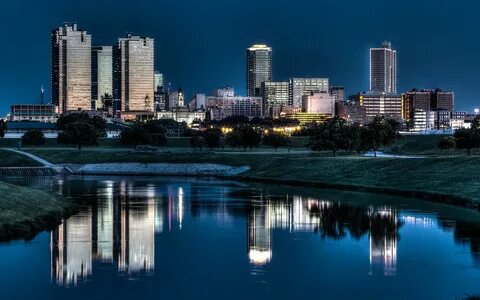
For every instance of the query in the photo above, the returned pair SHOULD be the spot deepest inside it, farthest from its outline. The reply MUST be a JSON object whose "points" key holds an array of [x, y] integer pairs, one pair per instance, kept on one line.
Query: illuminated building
{"points": [[135, 70], [33, 112], [351, 111], [259, 68], [275, 94], [224, 92], [176, 99], [423, 120], [383, 69], [382, 104], [182, 114], [71, 248], [299, 87], [337, 92], [102, 75], [318, 103], [71, 68], [222, 107]]}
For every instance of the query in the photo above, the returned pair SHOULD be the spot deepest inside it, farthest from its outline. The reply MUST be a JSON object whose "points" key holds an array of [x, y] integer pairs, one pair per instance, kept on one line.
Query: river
{"points": [[184, 238]]}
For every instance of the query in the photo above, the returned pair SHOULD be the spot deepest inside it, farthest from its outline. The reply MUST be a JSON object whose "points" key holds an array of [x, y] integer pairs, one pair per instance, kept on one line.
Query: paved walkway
{"points": [[34, 157]]}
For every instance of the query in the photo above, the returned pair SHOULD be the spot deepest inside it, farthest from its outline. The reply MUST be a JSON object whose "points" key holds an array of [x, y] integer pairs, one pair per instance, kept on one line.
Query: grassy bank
{"points": [[24, 211], [456, 175], [12, 159]]}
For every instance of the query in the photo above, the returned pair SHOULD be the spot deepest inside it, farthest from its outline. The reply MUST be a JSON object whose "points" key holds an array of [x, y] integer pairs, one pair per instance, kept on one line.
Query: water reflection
{"points": [[123, 218]]}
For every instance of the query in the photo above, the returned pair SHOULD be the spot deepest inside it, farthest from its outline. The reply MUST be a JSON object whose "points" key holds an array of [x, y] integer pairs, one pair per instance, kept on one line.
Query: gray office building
{"points": [[259, 68], [71, 59], [383, 69], [275, 93], [299, 87]]}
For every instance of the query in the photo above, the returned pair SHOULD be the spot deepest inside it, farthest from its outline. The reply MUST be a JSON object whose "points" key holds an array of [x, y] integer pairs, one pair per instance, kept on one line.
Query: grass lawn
{"points": [[12, 159], [454, 175], [25, 211]]}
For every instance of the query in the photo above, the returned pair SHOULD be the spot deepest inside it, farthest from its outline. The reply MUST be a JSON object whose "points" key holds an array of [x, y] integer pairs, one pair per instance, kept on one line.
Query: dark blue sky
{"points": [[200, 44]]}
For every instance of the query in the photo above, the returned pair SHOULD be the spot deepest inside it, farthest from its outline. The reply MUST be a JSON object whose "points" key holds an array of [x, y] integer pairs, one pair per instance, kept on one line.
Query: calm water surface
{"points": [[181, 238]]}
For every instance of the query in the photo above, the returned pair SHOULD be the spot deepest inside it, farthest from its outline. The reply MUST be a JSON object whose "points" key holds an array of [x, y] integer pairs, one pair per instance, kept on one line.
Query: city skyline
{"points": [[183, 56]]}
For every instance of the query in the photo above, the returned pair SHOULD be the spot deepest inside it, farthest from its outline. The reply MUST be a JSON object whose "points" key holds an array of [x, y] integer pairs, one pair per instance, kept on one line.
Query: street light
{"points": [[476, 110]]}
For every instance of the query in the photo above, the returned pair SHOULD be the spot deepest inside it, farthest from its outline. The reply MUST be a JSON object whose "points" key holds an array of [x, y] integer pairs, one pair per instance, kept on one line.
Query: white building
{"points": [[319, 103], [423, 120], [222, 107], [383, 69], [182, 115]]}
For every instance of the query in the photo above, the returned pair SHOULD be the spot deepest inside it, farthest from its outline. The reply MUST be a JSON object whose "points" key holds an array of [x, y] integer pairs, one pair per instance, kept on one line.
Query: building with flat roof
{"points": [[275, 94], [71, 62], [102, 75], [382, 104], [33, 112], [299, 87], [134, 67], [319, 103], [221, 107], [337, 92]]}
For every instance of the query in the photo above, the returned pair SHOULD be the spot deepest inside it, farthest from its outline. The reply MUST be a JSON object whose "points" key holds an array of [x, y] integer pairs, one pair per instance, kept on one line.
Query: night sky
{"points": [[200, 44]]}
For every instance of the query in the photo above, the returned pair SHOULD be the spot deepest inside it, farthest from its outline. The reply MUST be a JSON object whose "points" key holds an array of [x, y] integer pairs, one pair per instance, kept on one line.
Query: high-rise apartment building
{"points": [[134, 66], [102, 75], [275, 94], [299, 87], [259, 68], [383, 69], [71, 68]]}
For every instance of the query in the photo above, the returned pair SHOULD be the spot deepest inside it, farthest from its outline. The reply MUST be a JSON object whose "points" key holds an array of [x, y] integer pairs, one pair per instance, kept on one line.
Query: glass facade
{"points": [[259, 68], [383, 69], [300, 87], [275, 94], [137, 73], [71, 68], [102, 75]]}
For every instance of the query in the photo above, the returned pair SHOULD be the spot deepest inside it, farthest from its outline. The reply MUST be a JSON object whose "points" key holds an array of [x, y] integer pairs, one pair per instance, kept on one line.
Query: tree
{"points": [[249, 137], [97, 123], [80, 134], [3, 128], [212, 137], [330, 136], [150, 133], [446, 143], [197, 141], [33, 138], [382, 132], [467, 139], [276, 140], [233, 139]]}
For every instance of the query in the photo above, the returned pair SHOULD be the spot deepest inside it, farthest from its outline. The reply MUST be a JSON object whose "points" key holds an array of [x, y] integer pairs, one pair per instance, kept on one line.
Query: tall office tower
{"points": [[259, 68], [159, 94], [383, 69], [338, 93], [102, 75], [275, 93], [71, 68], [299, 87], [135, 63]]}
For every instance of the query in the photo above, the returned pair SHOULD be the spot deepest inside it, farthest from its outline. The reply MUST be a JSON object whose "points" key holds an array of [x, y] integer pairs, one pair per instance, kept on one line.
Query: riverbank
{"points": [[25, 211], [451, 179]]}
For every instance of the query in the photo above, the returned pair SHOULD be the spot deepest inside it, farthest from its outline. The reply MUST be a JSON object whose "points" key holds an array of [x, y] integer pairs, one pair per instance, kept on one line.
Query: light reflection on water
{"points": [[121, 219]]}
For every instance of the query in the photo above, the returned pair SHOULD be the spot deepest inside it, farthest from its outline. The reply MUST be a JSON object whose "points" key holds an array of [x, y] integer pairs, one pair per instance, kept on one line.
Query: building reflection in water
{"points": [[304, 214], [119, 228]]}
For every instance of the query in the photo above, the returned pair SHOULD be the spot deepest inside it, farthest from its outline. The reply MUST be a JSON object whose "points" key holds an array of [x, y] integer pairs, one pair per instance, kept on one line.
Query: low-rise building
{"points": [[351, 111], [33, 112], [223, 107], [318, 103], [182, 114], [423, 120], [382, 104]]}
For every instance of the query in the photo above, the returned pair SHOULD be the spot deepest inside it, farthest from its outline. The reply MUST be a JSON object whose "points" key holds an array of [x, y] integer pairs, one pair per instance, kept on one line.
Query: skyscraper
{"points": [[102, 75], [383, 69], [135, 68], [71, 68], [259, 68]]}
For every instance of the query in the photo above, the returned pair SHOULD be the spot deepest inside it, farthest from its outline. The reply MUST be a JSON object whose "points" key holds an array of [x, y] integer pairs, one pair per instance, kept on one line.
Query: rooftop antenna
{"points": [[42, 94]]}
